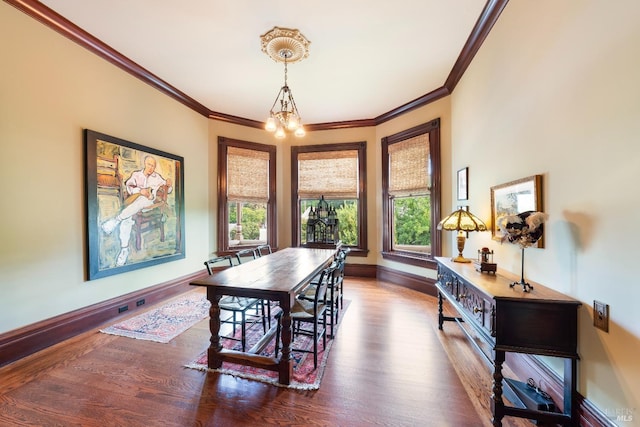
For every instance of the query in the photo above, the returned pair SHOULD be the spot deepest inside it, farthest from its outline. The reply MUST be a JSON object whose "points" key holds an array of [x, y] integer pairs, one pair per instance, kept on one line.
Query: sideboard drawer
{"points": [[448, 282], [477, 306]]}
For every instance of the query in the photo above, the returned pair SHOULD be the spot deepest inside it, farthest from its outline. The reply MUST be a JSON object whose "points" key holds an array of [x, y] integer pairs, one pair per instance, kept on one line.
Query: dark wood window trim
{"points": [[433, 129], [223, 211], [362, 248]]}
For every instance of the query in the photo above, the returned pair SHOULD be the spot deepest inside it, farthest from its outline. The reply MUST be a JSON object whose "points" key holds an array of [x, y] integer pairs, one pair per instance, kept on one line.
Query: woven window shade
{"points": [[409, 167], [247, 175], [332, 174]]}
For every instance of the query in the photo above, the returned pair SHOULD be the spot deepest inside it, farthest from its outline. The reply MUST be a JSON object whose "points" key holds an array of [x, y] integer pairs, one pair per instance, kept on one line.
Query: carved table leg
{"points": [[440, 316], [497, 405], [213, 354], [285, 370]]}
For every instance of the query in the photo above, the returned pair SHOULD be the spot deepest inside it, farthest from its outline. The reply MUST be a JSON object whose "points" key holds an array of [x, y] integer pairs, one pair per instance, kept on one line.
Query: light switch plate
{"points": [[601, 315]]}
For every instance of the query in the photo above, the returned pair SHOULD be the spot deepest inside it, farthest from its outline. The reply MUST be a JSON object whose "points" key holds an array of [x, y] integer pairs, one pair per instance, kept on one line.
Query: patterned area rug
{"points": [[305, 377], [166, 322]]}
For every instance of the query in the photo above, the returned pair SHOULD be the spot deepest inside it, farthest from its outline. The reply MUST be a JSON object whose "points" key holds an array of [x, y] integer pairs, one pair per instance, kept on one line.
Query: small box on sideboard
{"points": [[485, 263], [485, 267]]}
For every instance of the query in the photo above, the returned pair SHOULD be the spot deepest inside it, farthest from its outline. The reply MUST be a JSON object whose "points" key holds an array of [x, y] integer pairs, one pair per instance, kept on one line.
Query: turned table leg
{"points": [[440, 315], [497, 404], [285, 369], [214, 361]]}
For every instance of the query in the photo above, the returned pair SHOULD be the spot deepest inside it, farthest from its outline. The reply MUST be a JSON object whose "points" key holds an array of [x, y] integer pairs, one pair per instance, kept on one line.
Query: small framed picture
{"points": [[463, 184]]}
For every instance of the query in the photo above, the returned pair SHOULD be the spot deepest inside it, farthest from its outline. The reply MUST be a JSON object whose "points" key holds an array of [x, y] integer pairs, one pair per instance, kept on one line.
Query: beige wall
{"points": [[50, 90], [555, 91]]}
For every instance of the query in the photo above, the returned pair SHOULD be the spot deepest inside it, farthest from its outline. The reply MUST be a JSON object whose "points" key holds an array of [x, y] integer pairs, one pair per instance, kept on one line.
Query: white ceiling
{"points": [[367, 57]]}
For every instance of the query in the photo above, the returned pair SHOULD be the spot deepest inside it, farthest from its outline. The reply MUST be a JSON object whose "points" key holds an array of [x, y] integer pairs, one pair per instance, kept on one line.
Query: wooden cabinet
{"points": [[506, 319]]}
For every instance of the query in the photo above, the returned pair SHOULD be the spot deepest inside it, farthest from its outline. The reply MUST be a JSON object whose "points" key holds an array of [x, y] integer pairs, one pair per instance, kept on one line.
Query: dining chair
{"points": [[263, 250], [341, 259], [313, 313], [246, 255], [218, 263], [245, 312], [335, 289]]}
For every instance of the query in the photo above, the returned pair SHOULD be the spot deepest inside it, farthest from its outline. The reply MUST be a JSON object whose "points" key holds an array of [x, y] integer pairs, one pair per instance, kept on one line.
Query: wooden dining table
{"points": [[275, 277]]}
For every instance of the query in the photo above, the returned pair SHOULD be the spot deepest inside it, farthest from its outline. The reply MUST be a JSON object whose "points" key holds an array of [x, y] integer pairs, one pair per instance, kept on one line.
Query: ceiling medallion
{"points": [[285, 44]]}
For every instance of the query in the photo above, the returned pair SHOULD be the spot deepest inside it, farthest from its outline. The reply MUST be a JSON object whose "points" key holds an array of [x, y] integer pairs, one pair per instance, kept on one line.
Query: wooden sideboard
{"points": [[506, 319]]}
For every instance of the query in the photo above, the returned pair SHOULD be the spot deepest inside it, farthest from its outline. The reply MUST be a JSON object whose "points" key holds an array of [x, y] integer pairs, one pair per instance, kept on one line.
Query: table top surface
{"points": [[497, 285], [283, 271]]}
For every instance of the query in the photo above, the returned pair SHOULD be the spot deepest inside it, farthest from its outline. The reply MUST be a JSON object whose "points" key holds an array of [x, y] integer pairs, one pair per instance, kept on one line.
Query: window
{"points": [[411, 194], [336, 172], [246, 194]]}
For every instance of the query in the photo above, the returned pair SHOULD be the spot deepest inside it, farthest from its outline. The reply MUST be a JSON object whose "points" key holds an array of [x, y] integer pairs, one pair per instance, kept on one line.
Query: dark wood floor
{"points": [[389, 366]]}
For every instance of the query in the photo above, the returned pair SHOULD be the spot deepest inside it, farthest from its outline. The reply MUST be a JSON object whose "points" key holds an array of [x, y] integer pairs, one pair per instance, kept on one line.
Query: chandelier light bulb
{"points": [[270, 126], [299, 132], [292, 123], [280, 132]]}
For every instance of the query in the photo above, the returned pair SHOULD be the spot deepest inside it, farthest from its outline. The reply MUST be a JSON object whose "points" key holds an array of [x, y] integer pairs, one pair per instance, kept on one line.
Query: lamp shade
{"points": [[462, 220]]}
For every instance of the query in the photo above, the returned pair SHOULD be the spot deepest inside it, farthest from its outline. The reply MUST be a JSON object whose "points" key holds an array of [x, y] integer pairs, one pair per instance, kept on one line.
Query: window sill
{"points": [[412, 259], [359, 252]]}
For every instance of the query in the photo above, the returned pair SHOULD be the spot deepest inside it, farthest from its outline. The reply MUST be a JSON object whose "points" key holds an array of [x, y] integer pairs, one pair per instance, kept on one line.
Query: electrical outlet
{"points": [[123, 309], [140, 302], [601, 315]]}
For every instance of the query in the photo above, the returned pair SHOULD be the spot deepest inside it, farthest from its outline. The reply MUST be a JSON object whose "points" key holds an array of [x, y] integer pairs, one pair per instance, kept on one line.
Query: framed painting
{"points": [[134, 205], [463, 184], [513, 198]]}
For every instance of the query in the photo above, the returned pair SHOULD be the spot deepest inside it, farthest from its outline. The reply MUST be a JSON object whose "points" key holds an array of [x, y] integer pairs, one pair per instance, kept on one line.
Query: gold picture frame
{"points": [[515, 197]]}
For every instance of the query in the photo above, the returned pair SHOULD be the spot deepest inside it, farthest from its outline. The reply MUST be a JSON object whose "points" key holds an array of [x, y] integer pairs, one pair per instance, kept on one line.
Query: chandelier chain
{"points": [[285, 71]]}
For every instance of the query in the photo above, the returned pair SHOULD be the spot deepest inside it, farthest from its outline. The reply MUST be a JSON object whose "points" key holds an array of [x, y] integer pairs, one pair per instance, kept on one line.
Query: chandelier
{"points": [[285, 45]]}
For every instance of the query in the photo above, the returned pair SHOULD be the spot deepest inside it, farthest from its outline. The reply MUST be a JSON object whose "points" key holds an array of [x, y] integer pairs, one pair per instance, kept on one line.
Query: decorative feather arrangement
{"points": [[524, 229]]}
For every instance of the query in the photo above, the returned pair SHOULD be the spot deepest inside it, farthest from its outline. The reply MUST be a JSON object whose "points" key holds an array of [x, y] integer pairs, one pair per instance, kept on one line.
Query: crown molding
{"points": [[68, 29], [484, 24]]}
